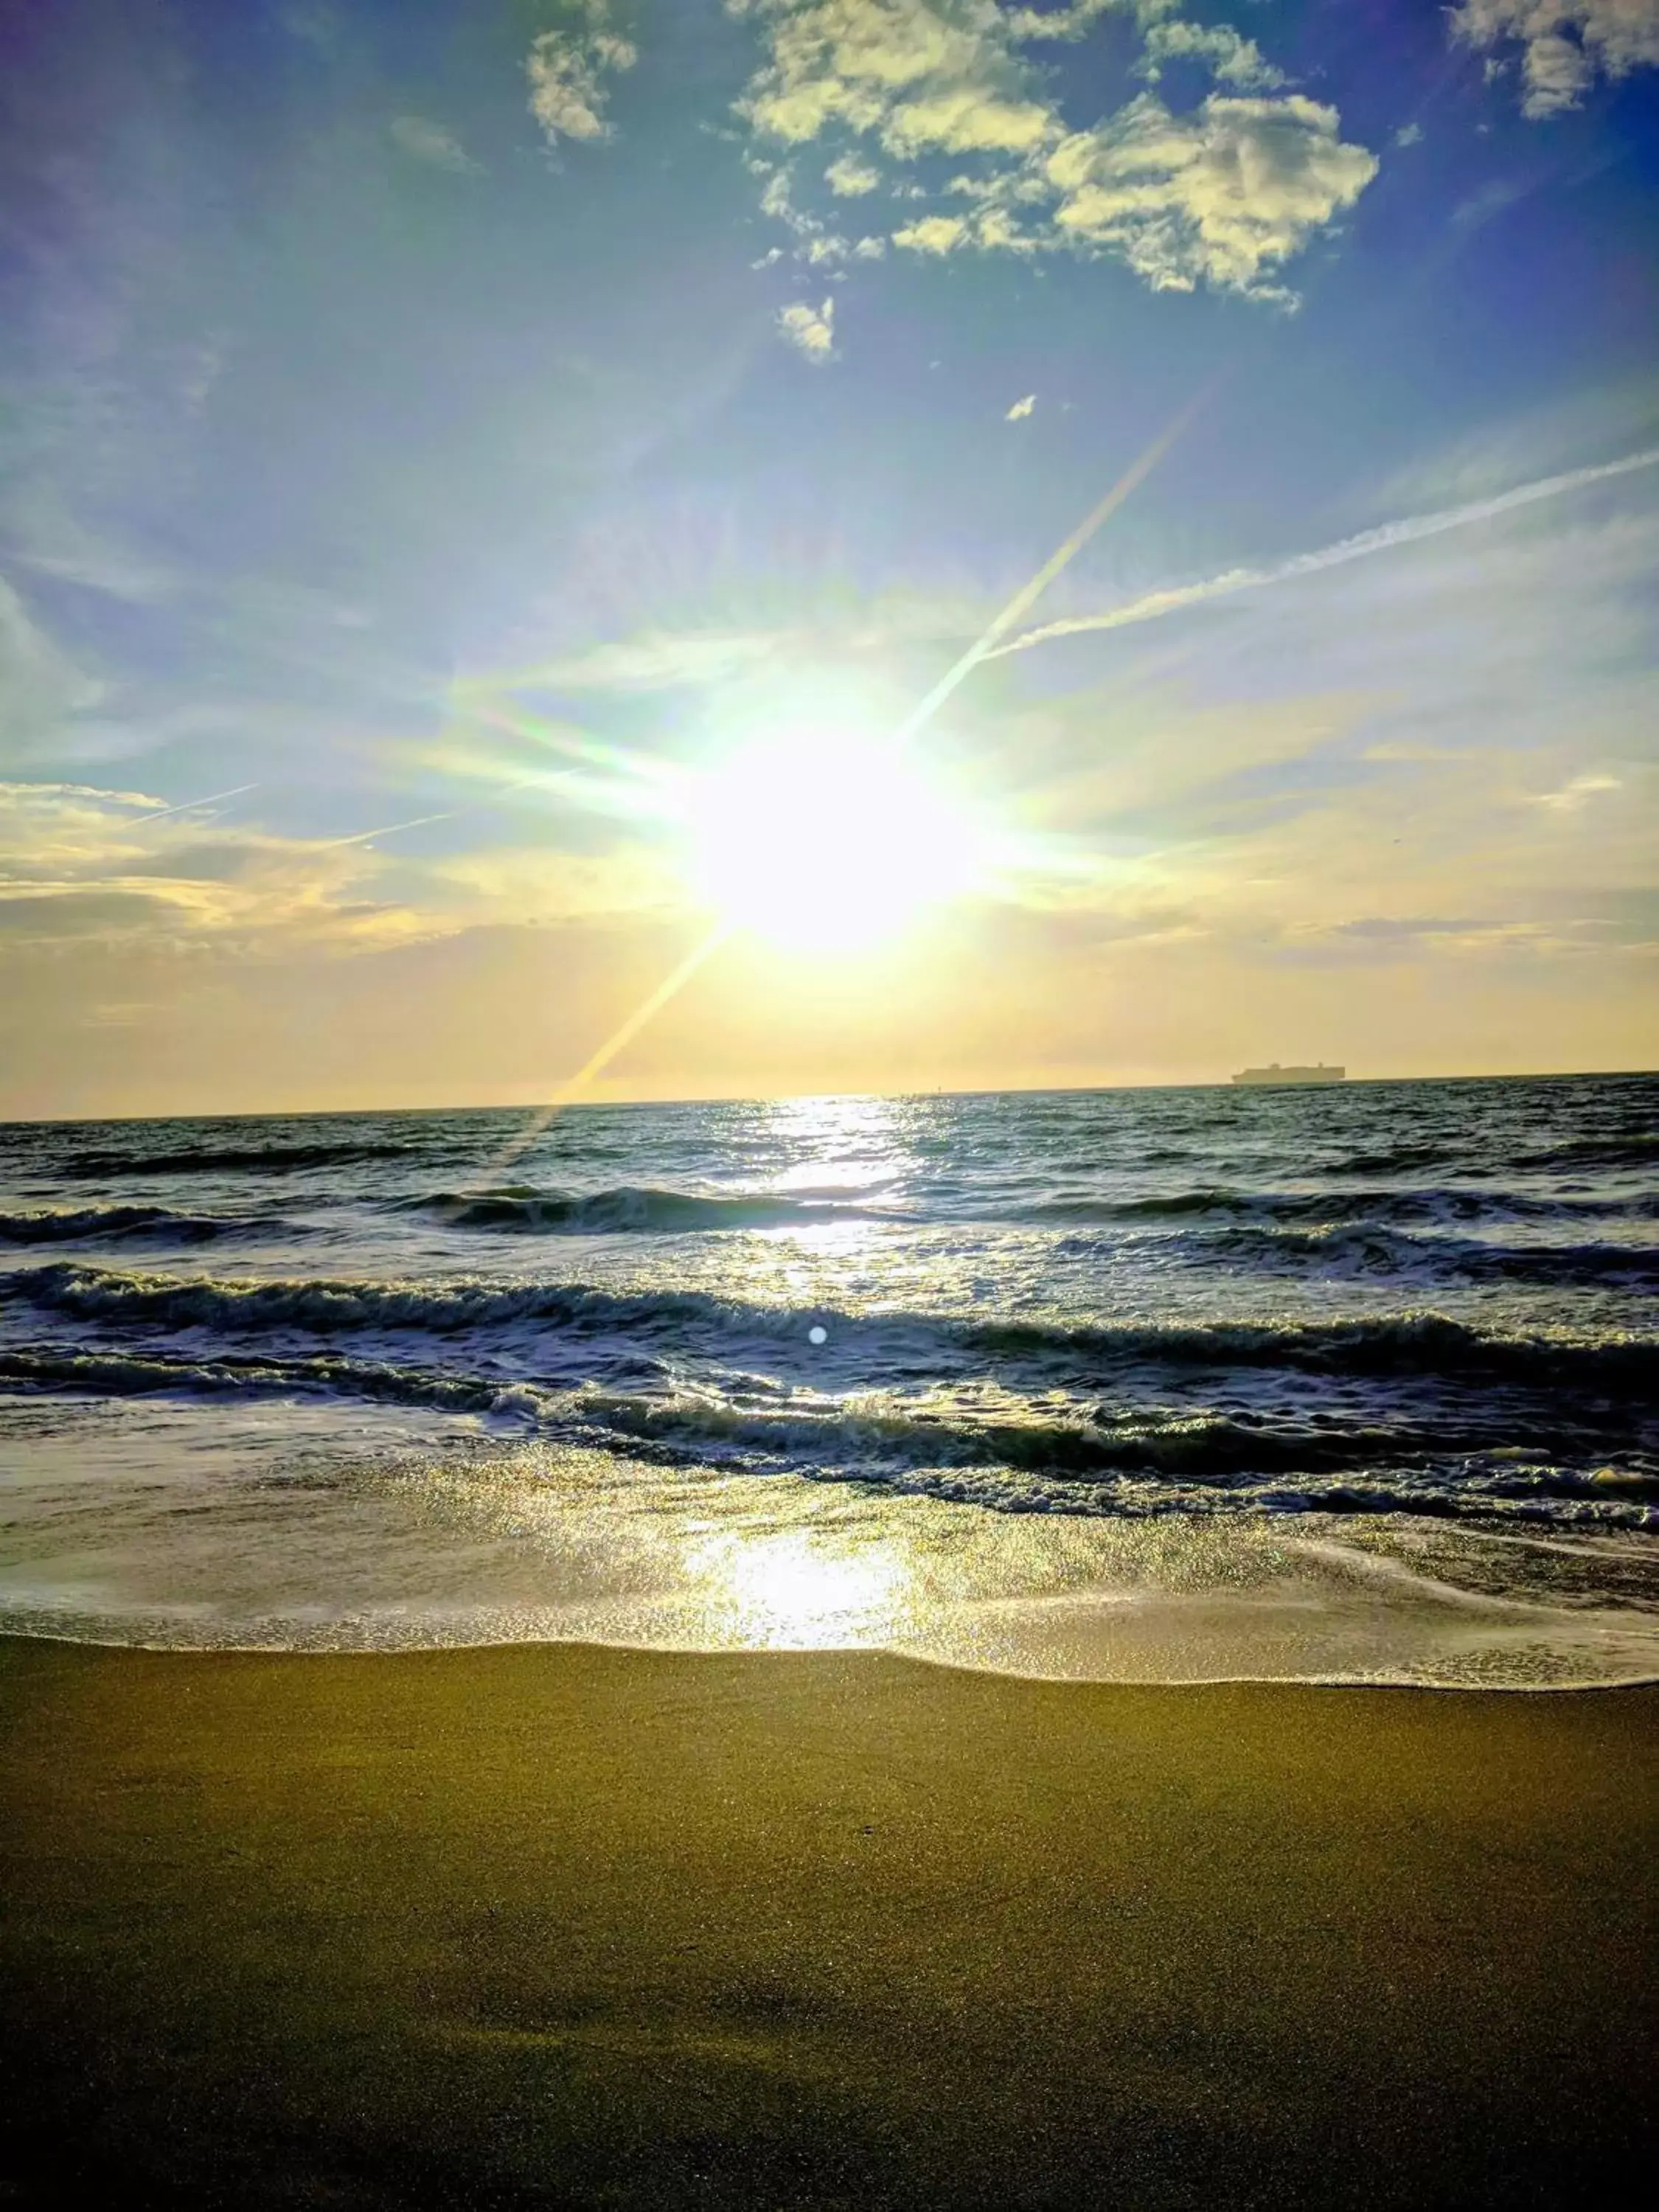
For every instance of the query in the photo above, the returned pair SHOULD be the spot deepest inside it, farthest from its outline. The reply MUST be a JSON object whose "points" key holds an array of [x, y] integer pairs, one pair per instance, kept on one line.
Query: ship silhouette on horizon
{"points": [[1275, 1073]]}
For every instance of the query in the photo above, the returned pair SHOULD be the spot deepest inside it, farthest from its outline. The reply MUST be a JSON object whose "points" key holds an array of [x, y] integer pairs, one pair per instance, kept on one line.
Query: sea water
{"points": [[1353, 1383]]}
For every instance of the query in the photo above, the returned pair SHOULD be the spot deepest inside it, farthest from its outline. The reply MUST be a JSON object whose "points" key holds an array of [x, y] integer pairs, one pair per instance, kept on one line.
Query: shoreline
{"points": [[897, 1655], [570, 1925]]}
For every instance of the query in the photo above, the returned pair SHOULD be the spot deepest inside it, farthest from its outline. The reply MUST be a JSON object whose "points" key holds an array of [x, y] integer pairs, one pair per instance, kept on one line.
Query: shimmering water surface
{"points": [[1356, 1383]]}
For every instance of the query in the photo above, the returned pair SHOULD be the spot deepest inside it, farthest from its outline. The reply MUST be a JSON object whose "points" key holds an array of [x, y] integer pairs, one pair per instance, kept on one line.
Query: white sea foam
{"points": [[167, 1526]]}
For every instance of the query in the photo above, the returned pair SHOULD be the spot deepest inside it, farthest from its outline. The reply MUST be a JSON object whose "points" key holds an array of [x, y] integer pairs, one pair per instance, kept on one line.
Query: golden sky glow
{"points": [[1105, 548]]}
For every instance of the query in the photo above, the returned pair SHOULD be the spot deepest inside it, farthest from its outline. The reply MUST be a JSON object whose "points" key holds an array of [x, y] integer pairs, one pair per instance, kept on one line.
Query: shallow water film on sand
{"points": [[1350, 1384]]}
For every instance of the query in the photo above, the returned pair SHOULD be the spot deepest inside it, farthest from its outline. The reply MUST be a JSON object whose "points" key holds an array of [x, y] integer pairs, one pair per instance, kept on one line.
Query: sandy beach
{"points": [[574, 1926]]}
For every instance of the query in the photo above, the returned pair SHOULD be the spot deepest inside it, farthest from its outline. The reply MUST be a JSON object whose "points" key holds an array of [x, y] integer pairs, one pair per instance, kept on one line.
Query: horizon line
{"points": [[780, 1097]]}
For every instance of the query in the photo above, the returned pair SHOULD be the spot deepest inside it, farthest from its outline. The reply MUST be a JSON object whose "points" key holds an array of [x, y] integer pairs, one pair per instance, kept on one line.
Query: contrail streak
{"points": [[670, 986], [1381, 540], [985, 646], [420, 821], [187, 806], [390, 829]]}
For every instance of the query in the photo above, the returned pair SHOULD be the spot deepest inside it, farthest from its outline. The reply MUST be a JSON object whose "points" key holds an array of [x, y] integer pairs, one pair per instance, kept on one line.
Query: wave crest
{"points": [[112, 1224], [1109, 1462], [1355, 1249], [625, 1208], [1412, 1343], [1446, 1206]]}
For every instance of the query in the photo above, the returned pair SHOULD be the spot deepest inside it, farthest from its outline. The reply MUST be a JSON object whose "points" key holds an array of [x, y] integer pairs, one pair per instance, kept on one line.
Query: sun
{"points": [[825, 838]]}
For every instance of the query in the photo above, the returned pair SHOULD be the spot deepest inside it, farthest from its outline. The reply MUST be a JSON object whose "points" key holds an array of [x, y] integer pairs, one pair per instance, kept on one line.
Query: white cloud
{"points": [[810, 329], [1068, 23], [860, 63], [1564, 44], [933, 233], [1021, 408], [1578, 792], [966, 120], [1409, 134], [423, 140], [1230, 58], [1222, 194], [774, 199], [567, 69], [851, 177]]}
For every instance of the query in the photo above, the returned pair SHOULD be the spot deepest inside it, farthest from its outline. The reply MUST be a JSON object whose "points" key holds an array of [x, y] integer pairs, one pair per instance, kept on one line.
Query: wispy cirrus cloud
{"points": [[42, 689], [423, 140], [1578, 792], [80, 863], [1544, 441]]}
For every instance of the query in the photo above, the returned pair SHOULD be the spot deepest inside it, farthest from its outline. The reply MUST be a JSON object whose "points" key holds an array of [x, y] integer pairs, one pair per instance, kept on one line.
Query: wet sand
{"points": [[567, 1926]]}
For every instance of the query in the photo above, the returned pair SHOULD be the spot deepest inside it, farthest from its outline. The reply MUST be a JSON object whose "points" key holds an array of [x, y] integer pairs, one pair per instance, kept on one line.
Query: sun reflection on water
{"points": [[796, 1591], [839, 1144]]}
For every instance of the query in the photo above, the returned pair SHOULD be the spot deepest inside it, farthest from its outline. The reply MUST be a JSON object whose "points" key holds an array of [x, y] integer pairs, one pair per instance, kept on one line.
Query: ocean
{"points": [[1347, 1383]]}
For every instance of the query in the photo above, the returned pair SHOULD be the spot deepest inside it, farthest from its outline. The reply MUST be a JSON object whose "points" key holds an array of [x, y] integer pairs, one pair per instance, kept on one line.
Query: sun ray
{"points": [[882, 860], [589, 1072]]}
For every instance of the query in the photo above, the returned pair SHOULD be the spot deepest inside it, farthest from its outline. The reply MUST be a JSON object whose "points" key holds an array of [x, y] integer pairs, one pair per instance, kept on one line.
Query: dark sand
{"points": [[563, 1926]]}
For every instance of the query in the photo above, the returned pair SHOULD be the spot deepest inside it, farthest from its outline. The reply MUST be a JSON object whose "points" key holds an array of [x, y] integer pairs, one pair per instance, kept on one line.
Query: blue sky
{"points": [[463, 417]]}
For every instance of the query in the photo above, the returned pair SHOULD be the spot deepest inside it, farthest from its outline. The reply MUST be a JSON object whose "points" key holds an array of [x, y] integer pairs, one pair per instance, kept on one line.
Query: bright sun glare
{"points": [[824, 839]]}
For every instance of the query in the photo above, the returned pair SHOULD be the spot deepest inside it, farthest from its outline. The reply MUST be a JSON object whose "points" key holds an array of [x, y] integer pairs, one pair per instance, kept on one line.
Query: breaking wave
{"points": [[125, 1224], [1638, 1148], [1105, 1463], [1330, 1209], [1399, 1159], [1413, 1343], [1352, 1248], [599, 1213]]}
